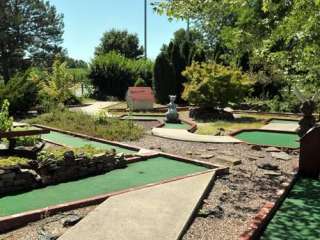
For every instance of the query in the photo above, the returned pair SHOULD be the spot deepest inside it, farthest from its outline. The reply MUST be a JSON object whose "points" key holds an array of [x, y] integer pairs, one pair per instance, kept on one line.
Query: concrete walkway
{"points": [[161, 212], [95, 107], [184, 135], [288, 127]]}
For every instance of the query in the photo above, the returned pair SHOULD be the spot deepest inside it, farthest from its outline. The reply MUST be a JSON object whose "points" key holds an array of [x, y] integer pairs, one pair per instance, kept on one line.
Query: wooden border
{"points": [[12, 134], [15, 221], [88, 137]]}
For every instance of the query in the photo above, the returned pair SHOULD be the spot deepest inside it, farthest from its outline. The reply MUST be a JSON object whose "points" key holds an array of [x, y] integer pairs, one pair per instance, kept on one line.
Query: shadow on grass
{"points": [[299, 216]]}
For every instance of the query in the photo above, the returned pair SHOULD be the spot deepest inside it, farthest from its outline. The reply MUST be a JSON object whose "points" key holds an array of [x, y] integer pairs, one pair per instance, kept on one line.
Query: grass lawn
{"points": [[104, 127]]}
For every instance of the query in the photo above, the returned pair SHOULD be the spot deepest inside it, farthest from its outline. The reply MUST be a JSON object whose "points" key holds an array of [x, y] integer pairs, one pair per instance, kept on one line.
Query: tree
{"points": [[164, 79], [180, 52], [122, 42], [258, 35], [30, 33], [214, 86]]}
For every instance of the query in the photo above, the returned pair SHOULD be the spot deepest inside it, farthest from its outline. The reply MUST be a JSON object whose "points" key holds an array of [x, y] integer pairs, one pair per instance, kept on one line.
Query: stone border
{"points": [[261, 220], [19, 220], [232, 134]]}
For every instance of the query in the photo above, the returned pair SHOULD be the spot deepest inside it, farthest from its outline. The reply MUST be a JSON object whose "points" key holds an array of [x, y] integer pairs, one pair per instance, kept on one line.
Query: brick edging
{"points": [[260, 221]]}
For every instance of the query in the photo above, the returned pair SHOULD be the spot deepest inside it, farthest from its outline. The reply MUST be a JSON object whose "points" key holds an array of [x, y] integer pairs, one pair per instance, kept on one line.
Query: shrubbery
{"points": [[112, 74], [101, 126], [211, 85], [164, 79], [21, 91]]}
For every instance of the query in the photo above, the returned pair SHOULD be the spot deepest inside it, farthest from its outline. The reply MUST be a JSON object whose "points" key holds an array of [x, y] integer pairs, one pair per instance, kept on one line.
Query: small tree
{"points": [[211, 85], [6, 121], [55, 86], [164, 79], [124, 43]]}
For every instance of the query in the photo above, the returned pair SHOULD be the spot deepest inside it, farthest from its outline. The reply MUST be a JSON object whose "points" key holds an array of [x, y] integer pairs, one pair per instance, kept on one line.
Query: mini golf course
{"points": [[181, 125], [135, 174], [72, 141], [299, 215], [269, 138]]}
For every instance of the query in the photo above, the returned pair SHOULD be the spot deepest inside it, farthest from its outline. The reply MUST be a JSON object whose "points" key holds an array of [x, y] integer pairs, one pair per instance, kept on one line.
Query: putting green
{"points": [[284, 121], [299, 215], [71, 141], [176, 126], [269, 138], [136, 174]]}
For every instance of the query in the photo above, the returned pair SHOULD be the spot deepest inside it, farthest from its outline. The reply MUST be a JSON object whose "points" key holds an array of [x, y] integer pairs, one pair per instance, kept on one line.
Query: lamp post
{"points": [[145, 29]]}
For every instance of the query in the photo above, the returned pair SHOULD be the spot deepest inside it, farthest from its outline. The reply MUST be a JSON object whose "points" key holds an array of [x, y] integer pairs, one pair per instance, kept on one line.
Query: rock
{"points": [[71, 220], [281, 155], [252, 158], [256, 147], [100, 157], [207, 156], [271, 173], [228, 160], [33, 173], [189, 153], [272, 149], [217, 212], [268, 166], [228, 153], [197, 153], [2, 171], [211, 149], [47, 236], [69, 156]]}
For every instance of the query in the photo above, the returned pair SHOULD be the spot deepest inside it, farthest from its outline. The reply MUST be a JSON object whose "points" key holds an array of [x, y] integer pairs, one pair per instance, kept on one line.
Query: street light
{"points": [[145, 29]]}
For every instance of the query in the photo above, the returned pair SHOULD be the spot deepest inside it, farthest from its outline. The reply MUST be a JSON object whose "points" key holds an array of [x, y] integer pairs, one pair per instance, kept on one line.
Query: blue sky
{"points": [[86, 20]]}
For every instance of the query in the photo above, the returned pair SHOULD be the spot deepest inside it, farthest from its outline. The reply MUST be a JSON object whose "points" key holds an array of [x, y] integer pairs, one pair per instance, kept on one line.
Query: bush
{"points": [[6, 121], [211, 85], [112, 74], [164, 79], [21, 91], [140, 83]]}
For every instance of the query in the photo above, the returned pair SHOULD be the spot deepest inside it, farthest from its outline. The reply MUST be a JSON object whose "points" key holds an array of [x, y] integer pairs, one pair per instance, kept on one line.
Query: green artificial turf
{"points": [[136, 174], [276, 139], [299, 216], [71, 141], [176, 126], [284, 121]]}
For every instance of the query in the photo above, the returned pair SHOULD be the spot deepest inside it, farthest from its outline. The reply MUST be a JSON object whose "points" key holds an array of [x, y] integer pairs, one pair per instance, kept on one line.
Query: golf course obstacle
{"points": [[309, 162]]}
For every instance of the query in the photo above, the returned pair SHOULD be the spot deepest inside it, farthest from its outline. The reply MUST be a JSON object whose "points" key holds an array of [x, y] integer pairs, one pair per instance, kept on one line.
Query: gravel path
{"points": [[235, 198]]}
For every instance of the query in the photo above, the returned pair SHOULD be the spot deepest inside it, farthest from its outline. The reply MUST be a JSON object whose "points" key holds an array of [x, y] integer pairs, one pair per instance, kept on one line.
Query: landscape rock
{"points": [[69, 156], [71, 220], [256, 147], [272, 149], [47, 236], [207, 156], [281, 155], [268, 166]]}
